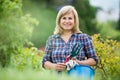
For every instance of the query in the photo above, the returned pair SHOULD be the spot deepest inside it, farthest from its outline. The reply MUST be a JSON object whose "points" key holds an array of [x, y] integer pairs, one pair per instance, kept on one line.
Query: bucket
{"points": [[83, 72]]}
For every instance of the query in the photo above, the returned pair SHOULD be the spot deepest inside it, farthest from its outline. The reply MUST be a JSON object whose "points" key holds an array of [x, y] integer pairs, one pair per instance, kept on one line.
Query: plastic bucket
{"points": [[83, 72]]}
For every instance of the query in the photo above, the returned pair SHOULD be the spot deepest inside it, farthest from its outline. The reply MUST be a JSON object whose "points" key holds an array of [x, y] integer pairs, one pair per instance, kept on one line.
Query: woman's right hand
{"points": [[59, 66]]}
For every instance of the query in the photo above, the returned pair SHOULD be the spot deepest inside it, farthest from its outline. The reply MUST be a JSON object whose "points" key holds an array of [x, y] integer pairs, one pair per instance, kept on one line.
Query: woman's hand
{"points": [[59, 66]]}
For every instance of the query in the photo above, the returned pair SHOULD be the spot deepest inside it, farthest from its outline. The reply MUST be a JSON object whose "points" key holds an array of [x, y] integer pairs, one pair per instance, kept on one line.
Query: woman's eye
{"points": [[70, 18], [64, 17]]}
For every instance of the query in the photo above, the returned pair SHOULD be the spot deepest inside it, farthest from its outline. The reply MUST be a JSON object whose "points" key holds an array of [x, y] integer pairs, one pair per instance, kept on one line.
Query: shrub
{"points": [[27, 58], [15, 28], [109, 57]]}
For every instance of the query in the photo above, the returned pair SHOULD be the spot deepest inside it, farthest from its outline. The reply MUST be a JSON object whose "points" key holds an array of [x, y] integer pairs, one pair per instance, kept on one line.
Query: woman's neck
{"points": [[67, 33]]}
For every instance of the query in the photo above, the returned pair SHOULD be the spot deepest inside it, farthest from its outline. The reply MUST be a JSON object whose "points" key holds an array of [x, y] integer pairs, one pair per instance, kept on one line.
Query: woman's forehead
{"points": [[68, 13]]}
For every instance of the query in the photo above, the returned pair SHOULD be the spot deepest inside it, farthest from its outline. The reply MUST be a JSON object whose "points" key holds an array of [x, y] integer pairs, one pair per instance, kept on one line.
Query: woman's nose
{"points": [[67, 20]]}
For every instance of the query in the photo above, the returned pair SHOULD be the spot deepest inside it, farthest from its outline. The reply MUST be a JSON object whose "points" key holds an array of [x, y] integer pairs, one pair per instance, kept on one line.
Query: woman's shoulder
{"points": [[53, 37], [83, 35]]}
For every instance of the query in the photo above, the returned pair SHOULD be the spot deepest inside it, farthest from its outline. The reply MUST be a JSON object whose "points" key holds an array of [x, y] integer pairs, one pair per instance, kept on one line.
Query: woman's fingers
{"points": [[60, 66]]}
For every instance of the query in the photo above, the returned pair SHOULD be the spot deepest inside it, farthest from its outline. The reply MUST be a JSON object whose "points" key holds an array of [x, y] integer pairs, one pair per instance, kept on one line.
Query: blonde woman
{"points": [[66, 35]]}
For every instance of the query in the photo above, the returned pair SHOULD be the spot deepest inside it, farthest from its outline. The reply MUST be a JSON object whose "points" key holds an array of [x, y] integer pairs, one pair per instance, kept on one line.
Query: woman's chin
{"points": [[67, 29]]}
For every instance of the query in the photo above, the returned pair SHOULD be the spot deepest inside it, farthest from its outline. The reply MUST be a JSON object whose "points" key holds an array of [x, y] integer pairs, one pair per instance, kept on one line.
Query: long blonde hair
{"points": [[64, 10]]}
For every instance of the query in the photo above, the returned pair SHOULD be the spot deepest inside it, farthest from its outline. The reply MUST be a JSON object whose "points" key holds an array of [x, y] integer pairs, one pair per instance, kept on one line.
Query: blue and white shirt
{"points": [[57, 50]]}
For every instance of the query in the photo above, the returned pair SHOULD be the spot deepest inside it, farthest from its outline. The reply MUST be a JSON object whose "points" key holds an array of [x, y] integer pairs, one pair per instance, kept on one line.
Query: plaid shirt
{"points": [[57, 50]]}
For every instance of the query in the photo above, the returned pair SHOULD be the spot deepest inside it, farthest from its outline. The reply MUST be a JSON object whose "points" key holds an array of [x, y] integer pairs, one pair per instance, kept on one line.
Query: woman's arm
{"points": [[89, 61], [92, 58]]}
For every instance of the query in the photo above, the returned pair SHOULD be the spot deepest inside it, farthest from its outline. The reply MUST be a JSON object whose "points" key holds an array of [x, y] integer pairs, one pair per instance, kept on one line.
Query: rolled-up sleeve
{"points": [[47, 51], [90, 51]]}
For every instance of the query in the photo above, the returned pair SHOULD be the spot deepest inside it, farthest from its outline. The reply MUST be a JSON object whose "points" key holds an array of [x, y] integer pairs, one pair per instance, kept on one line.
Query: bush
{"points": [[109, 57], [15, 29], [27, 58]]}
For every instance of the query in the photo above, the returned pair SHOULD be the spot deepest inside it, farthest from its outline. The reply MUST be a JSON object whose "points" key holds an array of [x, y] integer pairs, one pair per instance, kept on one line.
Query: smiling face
{"points": [[67, 21]]}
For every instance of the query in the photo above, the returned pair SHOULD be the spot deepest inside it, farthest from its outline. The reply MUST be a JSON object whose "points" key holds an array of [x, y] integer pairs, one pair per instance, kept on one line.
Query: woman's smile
{"points": [[67, 21]]}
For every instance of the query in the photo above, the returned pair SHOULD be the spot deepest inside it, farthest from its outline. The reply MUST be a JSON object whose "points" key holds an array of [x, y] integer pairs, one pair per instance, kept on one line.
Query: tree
{"points": [[15, 29], [86, 15]]}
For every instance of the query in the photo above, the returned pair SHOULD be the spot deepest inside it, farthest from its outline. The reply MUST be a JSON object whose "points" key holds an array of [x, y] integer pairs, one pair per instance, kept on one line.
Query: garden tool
{"points": [[75, 51]]}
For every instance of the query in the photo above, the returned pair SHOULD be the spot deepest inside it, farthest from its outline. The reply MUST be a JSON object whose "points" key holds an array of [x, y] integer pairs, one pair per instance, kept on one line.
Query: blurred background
{"points": [[95, 17]]}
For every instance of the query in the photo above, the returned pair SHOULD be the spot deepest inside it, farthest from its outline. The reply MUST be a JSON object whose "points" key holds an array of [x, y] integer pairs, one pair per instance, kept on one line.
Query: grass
{"points": [[30, 74]]}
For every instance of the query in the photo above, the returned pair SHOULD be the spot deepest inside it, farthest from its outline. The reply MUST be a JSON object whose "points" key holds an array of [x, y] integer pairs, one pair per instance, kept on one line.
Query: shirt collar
{"points": [[74, 34], [58, 35]]}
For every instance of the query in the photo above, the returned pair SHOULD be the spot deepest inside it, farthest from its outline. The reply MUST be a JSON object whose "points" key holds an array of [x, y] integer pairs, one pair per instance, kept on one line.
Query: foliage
{"points": [[109, 57], [109, 28], [10, 8], [86, 16], [46, 18], [118, 25], [15, 28], [27, 58]]}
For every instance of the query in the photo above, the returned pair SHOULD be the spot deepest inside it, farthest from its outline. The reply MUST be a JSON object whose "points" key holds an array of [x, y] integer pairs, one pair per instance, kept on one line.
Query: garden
{"points": [[24, 29]]}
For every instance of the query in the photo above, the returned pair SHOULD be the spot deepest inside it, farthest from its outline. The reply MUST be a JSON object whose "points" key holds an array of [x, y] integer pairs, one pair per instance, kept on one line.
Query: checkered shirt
{"points": [[57, 50]]}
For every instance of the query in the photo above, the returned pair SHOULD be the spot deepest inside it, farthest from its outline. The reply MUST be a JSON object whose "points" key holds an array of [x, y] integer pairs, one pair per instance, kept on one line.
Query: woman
{"points": [[66, 35]]}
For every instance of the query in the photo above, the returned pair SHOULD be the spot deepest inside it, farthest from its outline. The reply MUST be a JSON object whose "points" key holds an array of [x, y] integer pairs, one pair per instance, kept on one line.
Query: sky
{"points": [[110, 9]]}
